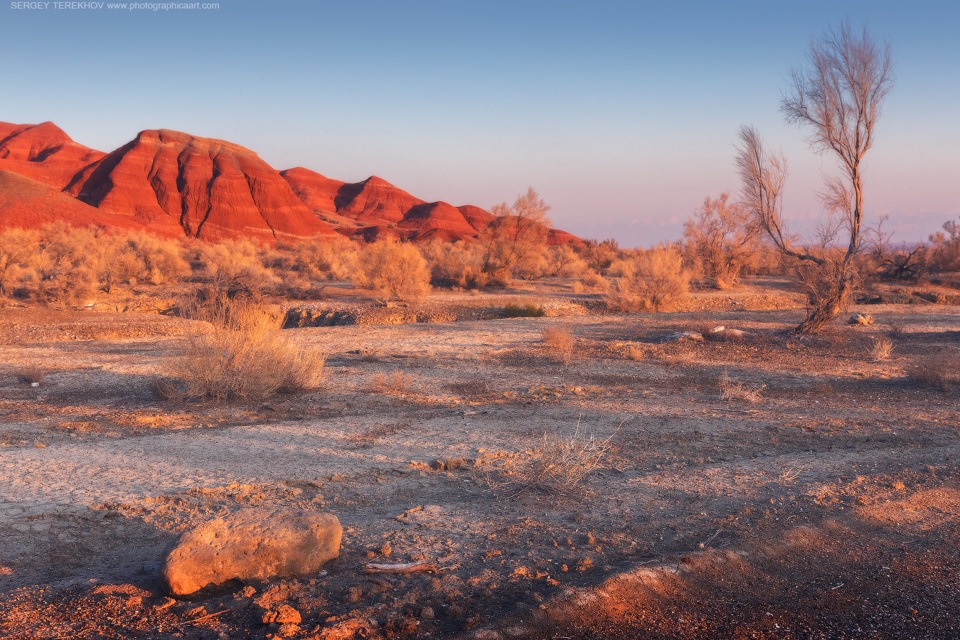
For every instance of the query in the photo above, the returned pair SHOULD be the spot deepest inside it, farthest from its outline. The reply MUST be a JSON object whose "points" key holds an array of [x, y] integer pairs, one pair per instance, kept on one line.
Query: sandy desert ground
{"points": [[828, 506]]}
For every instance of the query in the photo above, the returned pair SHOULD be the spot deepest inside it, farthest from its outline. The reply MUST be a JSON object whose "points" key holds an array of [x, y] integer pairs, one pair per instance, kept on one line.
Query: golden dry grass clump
{"points": [[559, 466], [731, 389], [881, 349], [241, 354], [395, 383]]}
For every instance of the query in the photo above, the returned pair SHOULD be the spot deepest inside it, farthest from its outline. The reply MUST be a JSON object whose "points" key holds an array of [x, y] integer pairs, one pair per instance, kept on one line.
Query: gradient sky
{"points": [[622, 115]]}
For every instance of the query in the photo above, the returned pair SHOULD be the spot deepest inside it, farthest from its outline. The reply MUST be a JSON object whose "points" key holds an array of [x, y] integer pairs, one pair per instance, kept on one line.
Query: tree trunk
{"points": [[830, 306]]}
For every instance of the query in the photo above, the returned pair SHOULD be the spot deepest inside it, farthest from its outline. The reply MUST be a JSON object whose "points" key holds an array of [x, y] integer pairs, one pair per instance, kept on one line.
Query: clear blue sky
{"points": [[623, 115]]}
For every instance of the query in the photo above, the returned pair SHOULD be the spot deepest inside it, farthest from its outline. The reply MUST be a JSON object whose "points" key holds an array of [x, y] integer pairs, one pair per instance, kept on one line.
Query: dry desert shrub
{"points": [[534, 263], [731, 389], [634, 352], [233, 267], [241, 354], [564, 261], [558, 466], [64, 270], [593, 281], [18, 247], [561, 342], [939, 371], [61, 265], [139, 257], [829, 287], [881, 349], [395, 383], [319, 259], [393, 270], [31, 374], [455, 264], [652, 280], [523, 310], [600, 256]]}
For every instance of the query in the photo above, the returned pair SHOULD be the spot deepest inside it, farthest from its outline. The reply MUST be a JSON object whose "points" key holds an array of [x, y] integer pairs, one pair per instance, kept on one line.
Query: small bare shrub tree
{"points": [[838, 95], [516, 240], [394, 270], [303, 268], [889, 262], [723, 236], [333, 258], [945, 247], [564, 261]]}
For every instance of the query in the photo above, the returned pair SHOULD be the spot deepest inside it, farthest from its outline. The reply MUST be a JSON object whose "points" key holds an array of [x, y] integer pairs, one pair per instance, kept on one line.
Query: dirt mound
{"points": [[43, 152], [210, 189]]}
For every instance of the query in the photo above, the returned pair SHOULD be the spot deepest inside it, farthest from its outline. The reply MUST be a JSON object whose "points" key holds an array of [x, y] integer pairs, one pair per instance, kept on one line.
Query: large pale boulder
{"points": [[251, 544]]}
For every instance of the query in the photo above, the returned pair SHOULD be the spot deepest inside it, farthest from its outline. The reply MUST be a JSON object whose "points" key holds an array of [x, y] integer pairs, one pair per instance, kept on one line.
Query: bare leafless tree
{"points": [[838, 95]]}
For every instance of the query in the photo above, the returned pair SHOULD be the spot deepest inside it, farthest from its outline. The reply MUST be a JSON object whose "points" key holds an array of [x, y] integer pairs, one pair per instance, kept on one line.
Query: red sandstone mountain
{"points": [[476, 217], [319, 193], [315, 190], [174, 184], [437, 219], [211, 189], [375, 201], [374, 208], [43, 152], [27, 203]]}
